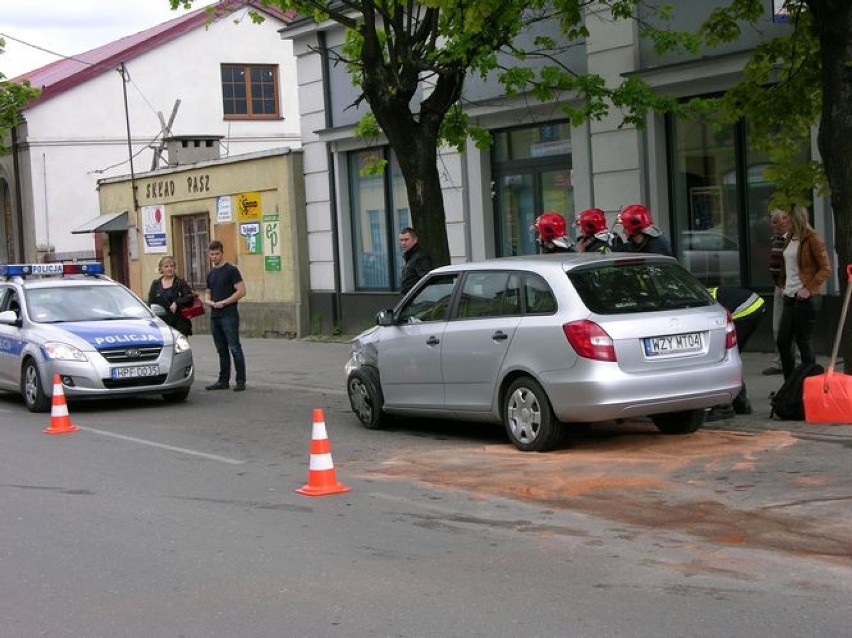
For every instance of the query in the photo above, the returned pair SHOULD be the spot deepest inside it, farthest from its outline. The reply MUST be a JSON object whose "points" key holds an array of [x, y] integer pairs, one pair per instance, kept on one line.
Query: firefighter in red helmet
{"points": [[594, 236], [552, 233], [643, 236]]}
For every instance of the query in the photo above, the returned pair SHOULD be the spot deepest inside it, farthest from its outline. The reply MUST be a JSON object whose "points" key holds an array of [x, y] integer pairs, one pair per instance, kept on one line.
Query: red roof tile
{"points": [[65, 74]]}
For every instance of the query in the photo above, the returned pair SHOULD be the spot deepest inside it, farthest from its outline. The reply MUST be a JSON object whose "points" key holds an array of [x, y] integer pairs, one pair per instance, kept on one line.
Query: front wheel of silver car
{"points": [[685, 422], [34, 396], [529, 420], [365, 397]]}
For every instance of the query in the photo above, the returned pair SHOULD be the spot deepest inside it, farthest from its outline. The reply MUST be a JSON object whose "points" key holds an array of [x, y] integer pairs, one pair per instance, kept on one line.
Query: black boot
{"points": [[741, 403]]}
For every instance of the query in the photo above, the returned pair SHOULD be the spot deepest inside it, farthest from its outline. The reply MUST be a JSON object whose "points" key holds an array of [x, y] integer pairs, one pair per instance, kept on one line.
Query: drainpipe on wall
{"points": [[46, 208], [336, 310], [19, 204]]}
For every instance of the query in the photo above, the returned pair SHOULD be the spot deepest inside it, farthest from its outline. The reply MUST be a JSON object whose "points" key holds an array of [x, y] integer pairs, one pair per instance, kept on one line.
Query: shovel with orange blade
{"points": [[828, 397]]}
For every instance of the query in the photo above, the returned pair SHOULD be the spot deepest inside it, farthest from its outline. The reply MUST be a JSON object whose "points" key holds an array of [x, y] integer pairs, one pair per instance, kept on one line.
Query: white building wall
{"points": [[80, 136], [616, 154], [317, 189]]}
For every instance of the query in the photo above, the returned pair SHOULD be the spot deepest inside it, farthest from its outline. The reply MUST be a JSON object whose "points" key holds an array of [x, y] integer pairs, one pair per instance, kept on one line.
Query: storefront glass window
{"points": [[532, 175], [379, 208], [720, 196]]}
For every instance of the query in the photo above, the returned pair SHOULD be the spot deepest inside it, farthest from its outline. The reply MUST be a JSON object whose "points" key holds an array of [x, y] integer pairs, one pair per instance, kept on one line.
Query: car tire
{"points": [[176, 397], [685, 422], [365, 397], [528, 417], [32, 390]]}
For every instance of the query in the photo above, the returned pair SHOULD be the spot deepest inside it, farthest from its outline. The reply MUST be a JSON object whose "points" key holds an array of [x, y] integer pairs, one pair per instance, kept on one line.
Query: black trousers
{"points": [[798, 322]]}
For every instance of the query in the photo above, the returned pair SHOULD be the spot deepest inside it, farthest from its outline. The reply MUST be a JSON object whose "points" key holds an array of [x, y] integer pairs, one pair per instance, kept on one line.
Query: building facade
{"points": [[705, 188], [110, 111], [253, 203]]}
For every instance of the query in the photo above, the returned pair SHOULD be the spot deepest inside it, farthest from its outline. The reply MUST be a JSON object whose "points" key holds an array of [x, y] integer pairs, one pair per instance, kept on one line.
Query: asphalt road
{"points": [[183, 520]]}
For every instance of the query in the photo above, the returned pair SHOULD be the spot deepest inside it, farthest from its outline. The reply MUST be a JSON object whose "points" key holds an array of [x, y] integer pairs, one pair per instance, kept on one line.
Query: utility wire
{"points": [[71, 57], [125, 73], [35, 46]]}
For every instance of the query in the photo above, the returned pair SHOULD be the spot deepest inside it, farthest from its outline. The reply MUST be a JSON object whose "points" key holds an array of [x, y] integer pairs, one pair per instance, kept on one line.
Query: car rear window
{"points": [[620, 288]]}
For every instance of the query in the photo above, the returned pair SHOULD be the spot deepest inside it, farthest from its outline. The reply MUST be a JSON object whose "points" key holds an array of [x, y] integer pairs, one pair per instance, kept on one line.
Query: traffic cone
{"points": [[322, 479], [60, 420]]}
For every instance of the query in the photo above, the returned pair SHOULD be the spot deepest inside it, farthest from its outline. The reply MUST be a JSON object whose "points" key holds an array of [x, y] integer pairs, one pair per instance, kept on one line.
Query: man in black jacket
{"points": [[417, 260]]}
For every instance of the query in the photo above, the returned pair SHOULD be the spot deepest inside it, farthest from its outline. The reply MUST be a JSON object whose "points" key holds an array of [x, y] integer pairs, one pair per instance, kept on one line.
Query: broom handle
{"points": [[836, 346]]}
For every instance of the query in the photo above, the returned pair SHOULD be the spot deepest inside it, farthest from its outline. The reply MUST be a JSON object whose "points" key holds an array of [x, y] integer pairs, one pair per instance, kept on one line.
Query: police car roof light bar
{"points": [[76, 268]]}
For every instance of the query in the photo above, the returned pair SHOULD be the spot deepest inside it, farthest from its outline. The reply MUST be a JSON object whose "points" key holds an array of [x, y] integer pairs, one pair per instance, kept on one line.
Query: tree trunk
{"points": [[423, 184], [833, 26]]}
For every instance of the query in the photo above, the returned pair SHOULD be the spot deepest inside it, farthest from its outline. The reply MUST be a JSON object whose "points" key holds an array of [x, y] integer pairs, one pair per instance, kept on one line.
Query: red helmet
{"points": [[591, 221], [634, 219], [550, 226]]}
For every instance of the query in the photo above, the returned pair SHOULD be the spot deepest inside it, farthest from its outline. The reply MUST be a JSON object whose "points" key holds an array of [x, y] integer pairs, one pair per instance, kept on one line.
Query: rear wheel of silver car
{"points": [[365, 397], [176, 397], [685, 422], [530, 423], [34, 396]]}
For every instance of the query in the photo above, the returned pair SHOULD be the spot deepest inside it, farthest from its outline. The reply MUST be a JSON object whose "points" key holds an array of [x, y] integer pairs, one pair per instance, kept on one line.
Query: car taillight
{"points": [[589, 340], [730, 333]]}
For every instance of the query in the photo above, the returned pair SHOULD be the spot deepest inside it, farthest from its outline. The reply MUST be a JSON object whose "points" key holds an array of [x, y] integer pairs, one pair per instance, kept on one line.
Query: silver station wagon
{"points": [[541, 342]]}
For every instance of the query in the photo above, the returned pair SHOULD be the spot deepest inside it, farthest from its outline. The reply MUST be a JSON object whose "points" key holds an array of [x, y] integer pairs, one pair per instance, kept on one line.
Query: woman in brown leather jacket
{"points": [[804, 270]]}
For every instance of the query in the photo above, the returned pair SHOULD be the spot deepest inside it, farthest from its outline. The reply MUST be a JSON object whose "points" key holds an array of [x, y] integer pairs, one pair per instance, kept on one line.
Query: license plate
{"points": [[673, 344], [134, 372]]}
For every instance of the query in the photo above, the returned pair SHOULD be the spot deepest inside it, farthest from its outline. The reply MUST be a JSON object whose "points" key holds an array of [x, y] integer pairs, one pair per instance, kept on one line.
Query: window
{"points": [[490, 294], [720, 194], [250, 92], [431, 302], [538, 297], [379, 209], [10, 301], [192, 235], [532, 174], [641, 287]]}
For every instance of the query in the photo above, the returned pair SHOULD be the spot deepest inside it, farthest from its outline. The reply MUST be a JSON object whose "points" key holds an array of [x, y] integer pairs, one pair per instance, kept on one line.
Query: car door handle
{"points": [[432, 341], [499, 336]]}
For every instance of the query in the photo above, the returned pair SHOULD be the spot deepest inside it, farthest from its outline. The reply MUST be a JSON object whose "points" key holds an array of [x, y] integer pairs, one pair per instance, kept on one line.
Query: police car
{"points": [[101, 339]]}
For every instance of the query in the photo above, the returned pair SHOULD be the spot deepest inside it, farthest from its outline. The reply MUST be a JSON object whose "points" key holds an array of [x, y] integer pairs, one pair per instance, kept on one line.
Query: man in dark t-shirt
{"points": [[225, 287]]}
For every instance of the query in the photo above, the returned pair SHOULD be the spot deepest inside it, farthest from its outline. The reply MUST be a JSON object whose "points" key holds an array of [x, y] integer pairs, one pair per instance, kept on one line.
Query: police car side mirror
{"points": [[158, 310], [10, 318]]}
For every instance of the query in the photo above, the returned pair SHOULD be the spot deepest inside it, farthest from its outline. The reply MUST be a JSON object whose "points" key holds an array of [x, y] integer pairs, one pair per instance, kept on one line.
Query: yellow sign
{"points": [[248, 207]]}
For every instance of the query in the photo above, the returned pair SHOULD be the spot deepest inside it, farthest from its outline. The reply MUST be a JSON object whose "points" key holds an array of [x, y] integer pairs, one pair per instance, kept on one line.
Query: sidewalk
{"points": [[317, 366], [296, 364]]}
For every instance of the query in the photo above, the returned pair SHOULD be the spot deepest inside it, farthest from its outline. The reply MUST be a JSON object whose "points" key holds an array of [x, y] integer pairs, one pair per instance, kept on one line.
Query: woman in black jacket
{"points": [[172, 293]]}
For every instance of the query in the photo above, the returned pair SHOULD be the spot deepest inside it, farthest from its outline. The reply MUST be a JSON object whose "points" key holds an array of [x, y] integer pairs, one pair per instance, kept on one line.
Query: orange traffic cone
{"points": [[60, 420], [322, 479]]}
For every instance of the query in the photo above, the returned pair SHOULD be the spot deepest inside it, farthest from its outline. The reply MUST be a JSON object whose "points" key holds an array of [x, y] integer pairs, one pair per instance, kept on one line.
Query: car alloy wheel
{"points": [[34, 396], [529, 420]]}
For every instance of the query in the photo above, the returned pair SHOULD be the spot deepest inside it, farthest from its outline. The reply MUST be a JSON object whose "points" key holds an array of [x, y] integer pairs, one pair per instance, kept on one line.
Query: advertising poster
{"points": [[154, 228], [223, 209], [271, 243], [248, 218]]}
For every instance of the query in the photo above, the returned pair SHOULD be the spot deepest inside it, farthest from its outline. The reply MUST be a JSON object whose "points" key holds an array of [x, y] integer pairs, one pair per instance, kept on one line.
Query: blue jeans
{"points": [[226, 338]]}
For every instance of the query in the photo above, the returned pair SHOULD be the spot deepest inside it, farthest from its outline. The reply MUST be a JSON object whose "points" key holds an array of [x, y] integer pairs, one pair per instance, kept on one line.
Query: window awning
{"points": [[106, 223]]}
